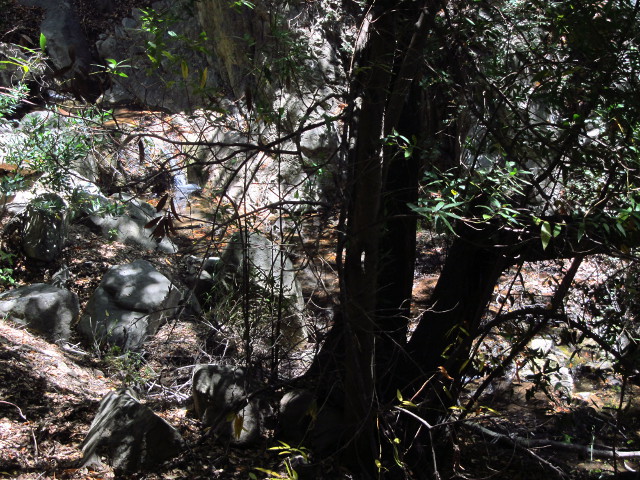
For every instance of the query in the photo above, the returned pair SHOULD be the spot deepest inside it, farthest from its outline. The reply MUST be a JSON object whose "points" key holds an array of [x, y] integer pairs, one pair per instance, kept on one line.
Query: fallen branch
{"points": [[531, 453], [521, 442]]}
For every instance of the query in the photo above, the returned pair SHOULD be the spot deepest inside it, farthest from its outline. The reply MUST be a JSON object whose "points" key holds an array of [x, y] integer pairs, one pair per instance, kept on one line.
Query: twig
{"points": [[14, 405], [33, 435], [436, 474]]}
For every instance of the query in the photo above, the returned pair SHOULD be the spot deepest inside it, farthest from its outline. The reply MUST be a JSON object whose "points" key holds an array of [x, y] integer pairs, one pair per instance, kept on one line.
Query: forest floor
{"points": [[49, 394]]}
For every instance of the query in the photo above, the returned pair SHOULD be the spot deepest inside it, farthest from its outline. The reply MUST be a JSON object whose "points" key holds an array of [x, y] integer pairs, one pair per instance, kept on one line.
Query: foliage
{"points": [[241, 3], [486, 194], [27, 60], [115, 68], [50, 144], [288, 452], [47, 142], [10, 98], [130, 368], [94, 205], [164, 44], [6, 270], [546, 121], [287, 62]]}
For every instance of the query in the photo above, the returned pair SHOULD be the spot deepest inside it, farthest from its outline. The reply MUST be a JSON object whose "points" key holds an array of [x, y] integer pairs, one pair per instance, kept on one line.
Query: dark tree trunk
{"points": [[397, 256], [360, 275], [455, 308]]}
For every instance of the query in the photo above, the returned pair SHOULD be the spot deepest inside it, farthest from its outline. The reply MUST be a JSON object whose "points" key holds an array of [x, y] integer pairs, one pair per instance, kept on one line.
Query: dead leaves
{"points": [[164, 225]]}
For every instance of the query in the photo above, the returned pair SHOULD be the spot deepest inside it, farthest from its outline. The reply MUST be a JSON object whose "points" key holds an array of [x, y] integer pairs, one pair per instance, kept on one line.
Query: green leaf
{"points": [[203, 77], [185, 69], [545, 234], [43, 42], [448, 224], [269, 472]]}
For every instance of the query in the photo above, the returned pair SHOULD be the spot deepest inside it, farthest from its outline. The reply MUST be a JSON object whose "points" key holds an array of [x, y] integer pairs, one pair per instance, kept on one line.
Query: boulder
{"points": [[131, 303], [265, 266], [67, 46], [319, 144], [303, 420], [232, 55], [130, 435], [149, 82], [200, 274], [45, 308], [128, 227], [12, 72], [221, 399], [45, 228]]}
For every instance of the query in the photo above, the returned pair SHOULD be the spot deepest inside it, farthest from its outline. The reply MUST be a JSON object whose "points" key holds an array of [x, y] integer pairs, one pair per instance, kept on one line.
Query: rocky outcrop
{"points": [[222, 400], [66, 44], [131, 303], [42, 307], [232, 53], [147, 84], [12, 72], [129, 435]]}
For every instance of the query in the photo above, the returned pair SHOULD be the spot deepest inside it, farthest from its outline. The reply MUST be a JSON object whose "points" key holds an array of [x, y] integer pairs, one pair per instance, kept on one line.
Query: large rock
{"points": [[131, 303], [200, 274], [148, 83], [130, 435], [271, 277], [45, 228], [221, 398], [43, 307], [128, 227], [304, 420], [232, 53], [67, 45], [12, 72]]}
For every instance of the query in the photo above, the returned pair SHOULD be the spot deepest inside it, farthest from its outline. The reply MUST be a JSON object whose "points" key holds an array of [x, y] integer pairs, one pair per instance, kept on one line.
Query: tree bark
{"points": [[360, 275], [455, 308]]}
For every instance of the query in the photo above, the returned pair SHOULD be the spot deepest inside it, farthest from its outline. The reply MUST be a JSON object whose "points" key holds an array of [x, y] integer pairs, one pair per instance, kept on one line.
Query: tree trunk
{"points": [[455, 309], [397, 253], [360, 275]]}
